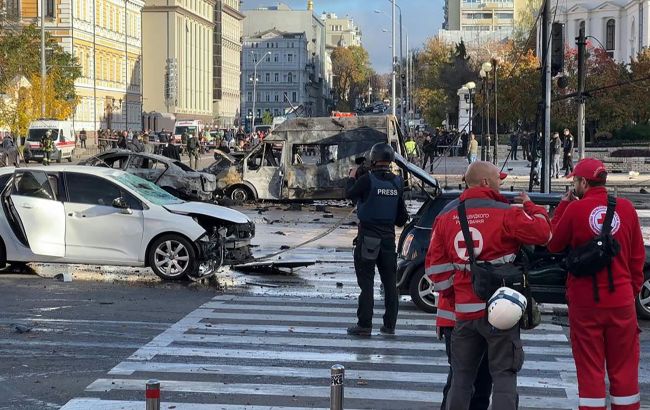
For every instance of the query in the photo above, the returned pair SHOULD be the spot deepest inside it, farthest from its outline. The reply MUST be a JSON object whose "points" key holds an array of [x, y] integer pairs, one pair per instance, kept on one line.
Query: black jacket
{"points": [[171, 151]]}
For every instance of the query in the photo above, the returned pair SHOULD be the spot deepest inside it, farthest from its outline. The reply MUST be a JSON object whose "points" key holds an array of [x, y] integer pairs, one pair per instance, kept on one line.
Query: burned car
{"points": [[173, 176], [304, 158], [99, 216]]}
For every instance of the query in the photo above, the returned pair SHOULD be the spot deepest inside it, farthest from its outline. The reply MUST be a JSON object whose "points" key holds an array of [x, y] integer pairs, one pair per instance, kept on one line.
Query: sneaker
{"points": [[359, 331], [387, 330]]}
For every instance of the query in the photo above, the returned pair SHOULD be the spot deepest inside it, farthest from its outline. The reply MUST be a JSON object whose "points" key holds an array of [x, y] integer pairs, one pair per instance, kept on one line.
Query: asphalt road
{"points": [[245, 341]]}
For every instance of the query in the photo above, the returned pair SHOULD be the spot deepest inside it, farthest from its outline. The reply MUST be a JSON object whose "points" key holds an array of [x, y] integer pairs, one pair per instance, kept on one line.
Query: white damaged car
{"points": [[89, 215]]}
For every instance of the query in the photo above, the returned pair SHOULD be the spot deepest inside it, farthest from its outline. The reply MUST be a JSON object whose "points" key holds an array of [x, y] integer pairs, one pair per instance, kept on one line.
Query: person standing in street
{"points": [[171, 151], [472, 149], [514, 146], [498, 230], [48, 147], [411, 149], [568, 152], [602, 315], [380, 207], [192, 147], [82, 138], [556, 150], [429, 150], [525, 141]]}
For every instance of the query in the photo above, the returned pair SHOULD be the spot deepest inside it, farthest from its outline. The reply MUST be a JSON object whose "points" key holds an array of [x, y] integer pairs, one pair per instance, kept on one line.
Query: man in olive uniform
{"points": [[48, 147], [193, 150]]}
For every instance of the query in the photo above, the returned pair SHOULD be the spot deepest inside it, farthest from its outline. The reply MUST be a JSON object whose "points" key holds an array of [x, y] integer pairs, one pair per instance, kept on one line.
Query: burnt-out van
{"points": [[305, 158]]}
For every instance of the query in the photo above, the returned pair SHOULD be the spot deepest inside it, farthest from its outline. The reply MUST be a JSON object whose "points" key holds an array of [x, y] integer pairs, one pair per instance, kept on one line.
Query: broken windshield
{"points": [[148, 190]]}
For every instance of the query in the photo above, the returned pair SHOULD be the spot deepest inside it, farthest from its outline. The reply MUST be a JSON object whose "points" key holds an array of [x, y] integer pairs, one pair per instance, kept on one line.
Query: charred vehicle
{"points": [[547, 276], [173, 176], [304, 158], [100, 216]]}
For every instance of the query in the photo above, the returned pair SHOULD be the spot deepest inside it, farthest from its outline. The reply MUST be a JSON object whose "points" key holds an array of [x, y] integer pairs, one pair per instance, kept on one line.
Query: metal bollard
{"points": [[152, 395], [336, 393]]}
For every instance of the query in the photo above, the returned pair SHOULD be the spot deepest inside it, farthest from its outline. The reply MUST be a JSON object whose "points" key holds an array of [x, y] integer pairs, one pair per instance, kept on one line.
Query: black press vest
{"points": [[381, 205]]}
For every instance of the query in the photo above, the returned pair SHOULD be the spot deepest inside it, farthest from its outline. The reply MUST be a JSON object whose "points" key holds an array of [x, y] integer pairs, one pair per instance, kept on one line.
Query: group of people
{"points": [[561, 149], [485, 356]]}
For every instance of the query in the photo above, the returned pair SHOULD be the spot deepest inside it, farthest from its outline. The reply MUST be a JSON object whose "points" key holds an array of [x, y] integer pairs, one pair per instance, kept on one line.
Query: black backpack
{"points": [[597, 254]]}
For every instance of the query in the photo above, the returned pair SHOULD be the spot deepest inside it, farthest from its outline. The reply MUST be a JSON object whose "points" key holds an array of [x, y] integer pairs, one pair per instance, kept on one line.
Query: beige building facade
{"points": [[340, 31], [227, 63], [105, 37], [177, 60]]}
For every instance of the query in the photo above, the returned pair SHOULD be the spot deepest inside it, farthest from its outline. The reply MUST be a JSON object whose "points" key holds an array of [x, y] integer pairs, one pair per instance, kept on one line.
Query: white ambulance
{"points": [[190, 126], [63, 138]]}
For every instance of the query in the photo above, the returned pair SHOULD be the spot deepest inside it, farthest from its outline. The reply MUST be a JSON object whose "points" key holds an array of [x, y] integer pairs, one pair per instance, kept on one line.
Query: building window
{"points": [[610, 36], [277, 98], [290, 77], [294, 97], [290, 58], [249, 97], [49, 8], [268, 58], [268, 97], [277, 77], [268, 77], [275, 58]]}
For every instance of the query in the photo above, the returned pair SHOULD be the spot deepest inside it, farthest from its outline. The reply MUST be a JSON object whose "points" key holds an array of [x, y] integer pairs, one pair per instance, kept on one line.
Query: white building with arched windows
{"points": [[619, 26]]}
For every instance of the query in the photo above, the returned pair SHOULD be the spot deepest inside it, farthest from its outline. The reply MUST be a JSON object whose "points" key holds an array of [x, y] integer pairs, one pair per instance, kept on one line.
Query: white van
{"points": [[189, 126], [63, 137]]}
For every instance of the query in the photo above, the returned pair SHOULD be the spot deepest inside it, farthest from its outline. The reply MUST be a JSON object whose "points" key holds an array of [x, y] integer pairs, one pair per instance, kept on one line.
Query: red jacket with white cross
{"points": [[576, 222], [498, 230]]}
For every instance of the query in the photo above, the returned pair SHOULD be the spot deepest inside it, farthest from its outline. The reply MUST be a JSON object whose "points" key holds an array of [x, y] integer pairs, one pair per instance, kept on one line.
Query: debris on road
{"points": [[267, 285], [19, 328], [339, 284]]}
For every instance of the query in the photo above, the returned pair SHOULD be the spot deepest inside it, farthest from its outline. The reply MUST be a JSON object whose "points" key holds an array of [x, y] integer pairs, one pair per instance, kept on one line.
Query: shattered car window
{"points": [[314, 154], [149, 191]]}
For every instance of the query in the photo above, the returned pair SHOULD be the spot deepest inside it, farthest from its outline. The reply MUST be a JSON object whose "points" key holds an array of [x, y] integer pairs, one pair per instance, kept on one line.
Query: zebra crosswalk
{"points": [[263, 352]]}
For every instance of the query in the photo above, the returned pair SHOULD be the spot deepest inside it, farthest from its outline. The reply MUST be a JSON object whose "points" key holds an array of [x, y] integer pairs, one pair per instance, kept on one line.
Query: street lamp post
{"points": [[394, 56], [393, 75], [495, 63], [254, 80], [486, 68], [469, 89]]}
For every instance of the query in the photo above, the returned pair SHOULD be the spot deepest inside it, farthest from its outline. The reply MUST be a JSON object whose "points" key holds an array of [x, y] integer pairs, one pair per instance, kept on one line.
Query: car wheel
{"points": [[172, 257], [643, 301], [58, 157], [70, 157], [421, 291], [240, 193]]}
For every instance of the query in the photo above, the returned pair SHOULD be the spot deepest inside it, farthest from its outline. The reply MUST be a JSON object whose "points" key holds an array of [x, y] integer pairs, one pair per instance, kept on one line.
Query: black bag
{"points": [[486, 277], [532, 317], [597, 254]]}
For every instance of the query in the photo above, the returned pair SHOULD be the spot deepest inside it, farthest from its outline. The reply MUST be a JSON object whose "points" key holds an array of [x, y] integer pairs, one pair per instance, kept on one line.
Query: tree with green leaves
{"points": [[267, 118], [20, 55], [351, 69]]}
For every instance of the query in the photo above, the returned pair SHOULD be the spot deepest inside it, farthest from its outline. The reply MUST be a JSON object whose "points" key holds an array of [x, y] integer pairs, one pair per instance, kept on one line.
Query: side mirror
{"points": [[121, 203]]}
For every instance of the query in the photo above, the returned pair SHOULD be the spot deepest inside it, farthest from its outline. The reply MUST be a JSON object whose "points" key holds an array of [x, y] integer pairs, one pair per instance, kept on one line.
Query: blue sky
{"points": [[421, 18]]}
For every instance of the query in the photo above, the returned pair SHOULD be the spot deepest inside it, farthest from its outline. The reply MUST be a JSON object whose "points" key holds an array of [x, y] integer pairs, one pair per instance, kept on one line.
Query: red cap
{"points": [[502, 175], [589, 169]]}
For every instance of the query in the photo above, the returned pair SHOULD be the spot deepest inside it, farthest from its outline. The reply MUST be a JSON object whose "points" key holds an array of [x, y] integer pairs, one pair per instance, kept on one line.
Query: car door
{"points": [[34, 203], [146, 167], [96, 231], [263, 169]]}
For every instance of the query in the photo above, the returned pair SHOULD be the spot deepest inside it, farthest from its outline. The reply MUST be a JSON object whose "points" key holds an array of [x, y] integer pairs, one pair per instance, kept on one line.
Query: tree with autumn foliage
{"points": [[430, 95], [351, 69]]}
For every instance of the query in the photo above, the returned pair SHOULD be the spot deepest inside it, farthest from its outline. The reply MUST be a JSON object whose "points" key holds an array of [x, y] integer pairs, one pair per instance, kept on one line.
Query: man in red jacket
{"points": [[604, 332], [498, 230]]}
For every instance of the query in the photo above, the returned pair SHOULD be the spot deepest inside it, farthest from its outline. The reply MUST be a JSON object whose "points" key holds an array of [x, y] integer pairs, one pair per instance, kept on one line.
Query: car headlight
{"points": [[406, 246]]}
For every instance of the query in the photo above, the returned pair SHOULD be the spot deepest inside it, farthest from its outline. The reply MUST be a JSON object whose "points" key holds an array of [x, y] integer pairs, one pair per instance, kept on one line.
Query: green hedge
{"points": [[639, 132]]}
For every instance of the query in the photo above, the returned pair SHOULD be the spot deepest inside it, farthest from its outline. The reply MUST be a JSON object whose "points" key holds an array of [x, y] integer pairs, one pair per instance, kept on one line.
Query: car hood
{"points": [[416, 171], [215, 211]]}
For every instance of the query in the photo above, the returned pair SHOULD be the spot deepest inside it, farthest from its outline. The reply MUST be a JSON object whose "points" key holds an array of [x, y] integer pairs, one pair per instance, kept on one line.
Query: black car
{"points": [[547, 277]]}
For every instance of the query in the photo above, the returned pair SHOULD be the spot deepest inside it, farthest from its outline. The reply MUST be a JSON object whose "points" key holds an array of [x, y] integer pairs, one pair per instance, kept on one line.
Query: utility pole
{"points": [[546, 86], [408, 79], [495, 64], [43, 62], [581, 41], [393, 91]]}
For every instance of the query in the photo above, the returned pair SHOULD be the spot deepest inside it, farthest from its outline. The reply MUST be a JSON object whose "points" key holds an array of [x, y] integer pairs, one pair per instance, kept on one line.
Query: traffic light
{"points": [[557, 49]]}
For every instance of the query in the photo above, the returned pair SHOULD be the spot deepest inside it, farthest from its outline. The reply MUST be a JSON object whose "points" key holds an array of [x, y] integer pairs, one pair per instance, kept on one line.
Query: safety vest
{"points": [[47, 144], [410, 147], [381, 205]]}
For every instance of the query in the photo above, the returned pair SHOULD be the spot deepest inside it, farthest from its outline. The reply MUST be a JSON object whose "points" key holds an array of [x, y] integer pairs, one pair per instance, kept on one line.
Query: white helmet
{"points": [[505, 308]]}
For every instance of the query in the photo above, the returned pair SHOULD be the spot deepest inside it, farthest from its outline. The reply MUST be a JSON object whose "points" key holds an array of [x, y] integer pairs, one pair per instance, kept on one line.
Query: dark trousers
{"points": [[482, 384], [568, 164], [386, 263], [82, 143], [470, 341], [428, 158], [513, 152]]}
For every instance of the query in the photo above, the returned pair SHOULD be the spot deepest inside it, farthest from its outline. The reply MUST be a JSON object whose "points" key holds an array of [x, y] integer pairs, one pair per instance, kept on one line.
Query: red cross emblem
{"points": [[461, 246], [597, 217]]}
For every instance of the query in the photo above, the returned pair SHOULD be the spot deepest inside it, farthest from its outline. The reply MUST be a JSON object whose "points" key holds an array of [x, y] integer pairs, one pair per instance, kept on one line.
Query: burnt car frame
{"points": [[304, 158], [547, 277], [171, 175]]}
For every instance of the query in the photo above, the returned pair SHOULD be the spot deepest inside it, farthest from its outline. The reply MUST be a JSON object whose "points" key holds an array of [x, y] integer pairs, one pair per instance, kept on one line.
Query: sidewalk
{"points": [[449, 171]]}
